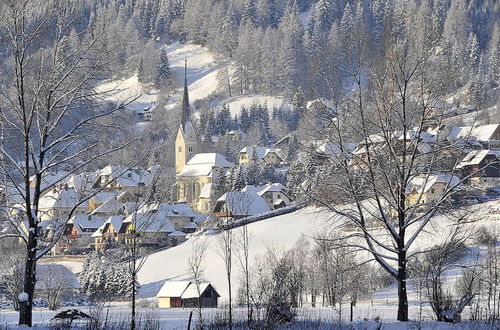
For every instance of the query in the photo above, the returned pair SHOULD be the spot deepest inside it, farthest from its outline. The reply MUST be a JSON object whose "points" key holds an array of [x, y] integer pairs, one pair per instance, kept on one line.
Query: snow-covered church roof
{"points": [[202, 164]]}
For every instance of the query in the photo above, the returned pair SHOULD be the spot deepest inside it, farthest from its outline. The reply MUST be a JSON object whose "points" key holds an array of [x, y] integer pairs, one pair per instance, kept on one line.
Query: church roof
{"points": [[203, 163]]}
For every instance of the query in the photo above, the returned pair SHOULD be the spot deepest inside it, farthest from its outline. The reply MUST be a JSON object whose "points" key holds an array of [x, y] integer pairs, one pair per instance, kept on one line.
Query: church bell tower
{"points": [[186, 142]]}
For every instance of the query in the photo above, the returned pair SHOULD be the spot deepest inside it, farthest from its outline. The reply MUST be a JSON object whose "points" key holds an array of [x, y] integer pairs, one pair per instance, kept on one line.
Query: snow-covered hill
{"points": [[281, 232], [202, 81]]}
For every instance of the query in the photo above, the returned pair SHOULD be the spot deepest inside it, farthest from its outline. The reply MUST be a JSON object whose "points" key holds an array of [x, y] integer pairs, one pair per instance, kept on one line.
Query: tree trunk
{"points": [[402, 293], [26, 307], [230, 305]]}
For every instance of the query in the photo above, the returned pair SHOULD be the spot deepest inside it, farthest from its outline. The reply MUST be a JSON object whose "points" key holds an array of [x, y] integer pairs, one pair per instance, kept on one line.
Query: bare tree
{"points": [[225, 241], [51, 113], [243, 258], [432, 268], [196, 270], [379, 191]]}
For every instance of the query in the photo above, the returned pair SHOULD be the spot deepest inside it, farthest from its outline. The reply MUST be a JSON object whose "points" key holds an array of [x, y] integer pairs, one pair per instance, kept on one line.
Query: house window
{"points": [[432, 191], [279, 196], [180, 149], [190, 149]]}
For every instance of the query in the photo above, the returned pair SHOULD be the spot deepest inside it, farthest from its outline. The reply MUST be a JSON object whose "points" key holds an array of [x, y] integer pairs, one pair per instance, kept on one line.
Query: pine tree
{"points": [[219, 186], [240, 179], [163, 74], [253, 169], [292, 53], [324, 14]]}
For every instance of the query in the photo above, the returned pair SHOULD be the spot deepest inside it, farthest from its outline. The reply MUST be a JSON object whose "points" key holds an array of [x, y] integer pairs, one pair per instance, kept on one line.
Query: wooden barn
{"points": [[209, 296], [185, 294]]}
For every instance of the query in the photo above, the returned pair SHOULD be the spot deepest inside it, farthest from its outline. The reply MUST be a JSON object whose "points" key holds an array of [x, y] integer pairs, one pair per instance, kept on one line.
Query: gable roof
{"points": [[109, 206], [86, 223], [242, 203], [203, 164], [192, 290], [260, 152], [63, 198], [173, 289], [475, 157], [482, 133], [423, 183]]}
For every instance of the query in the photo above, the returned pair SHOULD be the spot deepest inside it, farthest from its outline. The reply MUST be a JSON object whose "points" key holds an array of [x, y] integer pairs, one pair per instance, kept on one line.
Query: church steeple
{"points": [[186, 143], [185, 116]]}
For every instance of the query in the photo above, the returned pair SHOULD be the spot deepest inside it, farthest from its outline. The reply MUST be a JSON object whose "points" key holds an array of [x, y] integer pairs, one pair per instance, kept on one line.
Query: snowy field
{"points": [[279, 233], [365, 317]]}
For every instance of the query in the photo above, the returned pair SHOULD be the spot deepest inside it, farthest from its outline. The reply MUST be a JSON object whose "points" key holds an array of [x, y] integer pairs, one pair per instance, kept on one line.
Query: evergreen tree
{"points": [[253, 170], [163, 74], [239, 180], [219, 185]]}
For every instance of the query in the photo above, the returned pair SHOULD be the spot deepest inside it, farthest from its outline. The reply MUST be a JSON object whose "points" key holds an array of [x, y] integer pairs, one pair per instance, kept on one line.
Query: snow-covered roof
{"points": [[475, 157], [125, 176], [322, 102], [274, 187], [423, 183], [243, 203], [103, 196], [86, 223], [481, 133], [203, 164], [192, 290], [168, 210], [205, 191], [173, 289], [150, 222], [191, 225], [109, 206], [177, 233], [63, 198], [260, 152], [50, 179]]}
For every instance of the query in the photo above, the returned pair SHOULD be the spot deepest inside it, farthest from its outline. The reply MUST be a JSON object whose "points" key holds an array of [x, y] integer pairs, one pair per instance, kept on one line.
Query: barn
{"points": [[186, 294], [209, 296]]}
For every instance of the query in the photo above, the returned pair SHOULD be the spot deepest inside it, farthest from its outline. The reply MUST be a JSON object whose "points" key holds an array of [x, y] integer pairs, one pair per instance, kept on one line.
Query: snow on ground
{"points": [[235, 104], [177, 318], [281, 233]]}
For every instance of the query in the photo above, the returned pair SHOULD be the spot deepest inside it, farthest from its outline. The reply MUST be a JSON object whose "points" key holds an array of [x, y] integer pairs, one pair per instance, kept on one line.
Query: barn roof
{"points": [[173, 289]]}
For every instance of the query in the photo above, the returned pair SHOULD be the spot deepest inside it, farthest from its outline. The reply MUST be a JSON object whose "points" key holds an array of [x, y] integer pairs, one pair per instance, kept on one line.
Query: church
{"points": [[194, 169]]}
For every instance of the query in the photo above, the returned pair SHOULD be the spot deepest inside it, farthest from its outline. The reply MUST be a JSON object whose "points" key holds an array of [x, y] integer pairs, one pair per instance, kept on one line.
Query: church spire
{"points": [[186, 116]]}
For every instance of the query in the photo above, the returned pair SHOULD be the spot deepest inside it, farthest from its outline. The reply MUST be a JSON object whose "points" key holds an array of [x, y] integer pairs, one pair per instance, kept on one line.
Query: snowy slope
{"points": [[281, 232], [202, 68]]}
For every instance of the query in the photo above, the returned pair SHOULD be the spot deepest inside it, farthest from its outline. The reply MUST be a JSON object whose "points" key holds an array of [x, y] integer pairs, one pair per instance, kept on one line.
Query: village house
{"points": [[482, 165], [263, 155], [107, 235], [150, 231], [476, 137], [58, 203], [426, 190], [273, 193], [237, 204], [109, 208], [100, 198], [120, 178], [78, 232], [186, 294]]}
